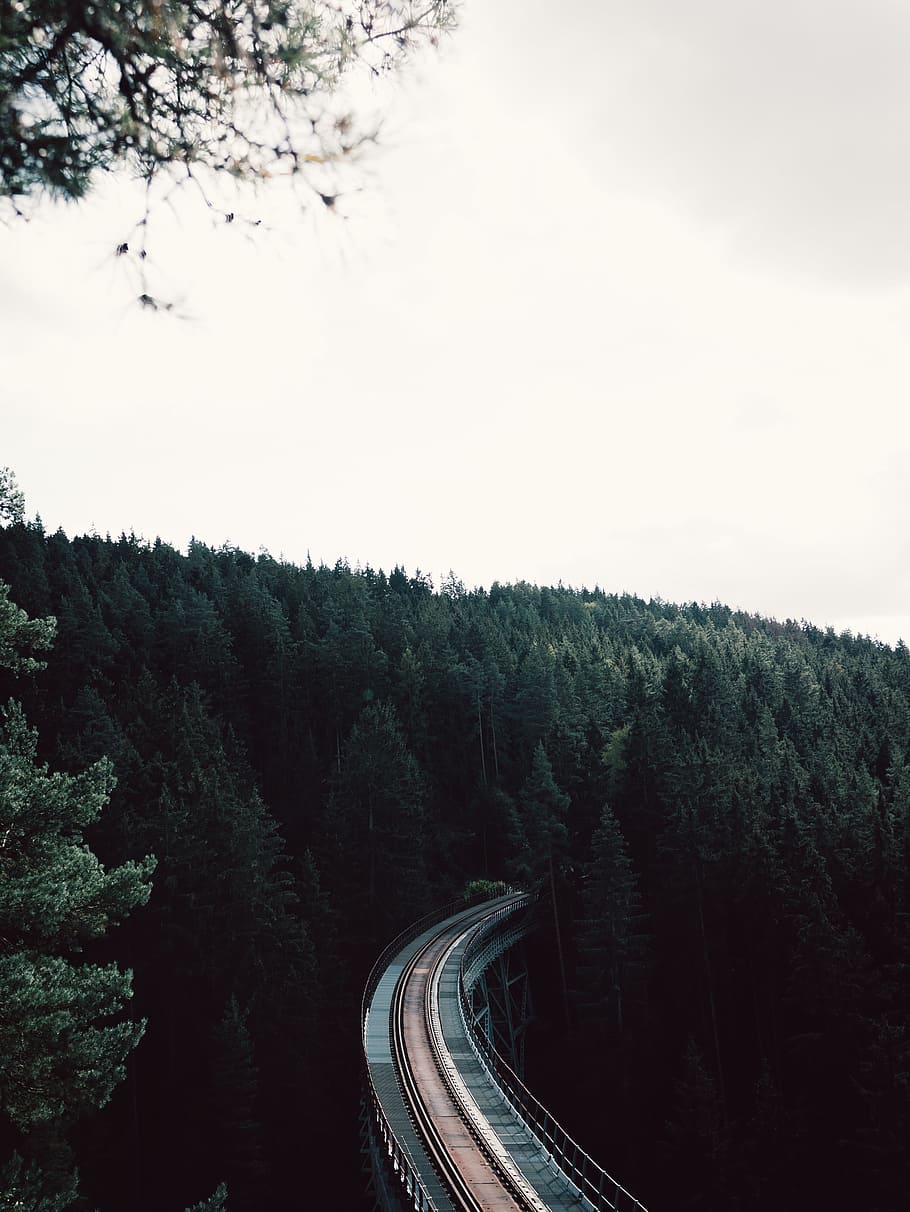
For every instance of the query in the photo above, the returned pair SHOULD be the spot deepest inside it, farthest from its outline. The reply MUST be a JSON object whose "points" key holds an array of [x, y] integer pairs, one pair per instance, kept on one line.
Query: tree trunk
{"points": [[483, 760], [559, 952], [711, 1002]]}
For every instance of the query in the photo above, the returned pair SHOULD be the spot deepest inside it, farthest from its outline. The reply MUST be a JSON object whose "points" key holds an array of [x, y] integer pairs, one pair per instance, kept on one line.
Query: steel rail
{"points": [[443, 1160], [397, 1153], [451, 1176], [385, 1137], [485, 1136]]}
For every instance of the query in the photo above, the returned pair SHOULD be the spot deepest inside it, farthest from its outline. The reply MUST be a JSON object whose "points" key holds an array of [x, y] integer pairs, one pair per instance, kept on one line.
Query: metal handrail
{"points": [[592, 1182], [400, 1157], [398, 943]]}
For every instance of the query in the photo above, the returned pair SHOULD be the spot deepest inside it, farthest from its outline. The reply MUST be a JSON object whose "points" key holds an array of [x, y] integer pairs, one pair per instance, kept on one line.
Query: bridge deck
{"points": [[533, 1181]]}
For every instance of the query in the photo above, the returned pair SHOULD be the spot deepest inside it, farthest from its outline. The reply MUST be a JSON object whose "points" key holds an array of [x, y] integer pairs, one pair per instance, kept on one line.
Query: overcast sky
{"points": [[624, 300]]}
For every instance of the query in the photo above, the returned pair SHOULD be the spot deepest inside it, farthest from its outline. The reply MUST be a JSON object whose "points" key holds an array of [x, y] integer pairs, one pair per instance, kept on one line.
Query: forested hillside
{"points": [[314, 756]]}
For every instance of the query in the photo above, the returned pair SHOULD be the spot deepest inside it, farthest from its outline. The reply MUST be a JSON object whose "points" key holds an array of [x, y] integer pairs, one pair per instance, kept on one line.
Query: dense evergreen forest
{"points": [[718, 803]]}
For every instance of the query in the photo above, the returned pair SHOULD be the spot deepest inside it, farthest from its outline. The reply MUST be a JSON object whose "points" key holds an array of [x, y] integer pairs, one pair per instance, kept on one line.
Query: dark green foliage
{"points": [[376, 830], [18, 632], [26, 1188], [483, 890], [696, 1140], [611, 940], [62, 1048], [217, 1202], [318, 754], [543, 810], [236, 1088]]}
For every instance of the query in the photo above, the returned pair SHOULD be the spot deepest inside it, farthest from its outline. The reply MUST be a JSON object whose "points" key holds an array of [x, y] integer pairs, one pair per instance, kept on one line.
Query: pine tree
{"points": [[235, 1087], [611, 943], [215, 1203], [543, 807], [376, 826], [18, 633], [60, 1055], [696, 1140]]}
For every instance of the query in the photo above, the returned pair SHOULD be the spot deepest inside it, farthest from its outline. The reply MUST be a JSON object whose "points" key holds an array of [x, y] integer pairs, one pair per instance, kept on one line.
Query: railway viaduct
{"points": [[449, 1125]]}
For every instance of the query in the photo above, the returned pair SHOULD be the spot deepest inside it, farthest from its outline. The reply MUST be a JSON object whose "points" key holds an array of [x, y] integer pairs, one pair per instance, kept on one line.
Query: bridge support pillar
{"points": [[381, 1190], [501, 1002]]}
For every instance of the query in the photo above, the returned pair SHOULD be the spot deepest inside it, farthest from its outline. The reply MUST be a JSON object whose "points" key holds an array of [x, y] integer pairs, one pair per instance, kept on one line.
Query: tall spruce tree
{"points": [[610, 942], [543, 806], [236, 1089], [376, 827], [60, 1053]]}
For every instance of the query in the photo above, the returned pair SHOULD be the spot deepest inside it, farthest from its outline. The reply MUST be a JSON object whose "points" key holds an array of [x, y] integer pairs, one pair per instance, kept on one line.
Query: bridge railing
{"points": [[398, 944], [598, 1188], [415, 1194]]}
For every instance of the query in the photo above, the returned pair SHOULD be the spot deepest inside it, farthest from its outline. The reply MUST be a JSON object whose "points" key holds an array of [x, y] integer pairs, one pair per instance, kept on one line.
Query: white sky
{"points": [[624, 301]]}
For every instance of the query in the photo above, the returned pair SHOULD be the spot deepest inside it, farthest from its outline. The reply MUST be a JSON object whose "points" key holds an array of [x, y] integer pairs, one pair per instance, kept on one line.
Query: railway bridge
{"points": [[449, 1124]]}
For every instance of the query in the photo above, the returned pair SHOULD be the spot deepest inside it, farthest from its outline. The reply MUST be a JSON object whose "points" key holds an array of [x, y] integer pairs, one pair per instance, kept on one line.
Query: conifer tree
{"points": [[610, 938], [543, 812], [236, 1084], [695, 1138], [376, 824], [215, 1203], [57, 1060], [543, 807], [60, 1053]]}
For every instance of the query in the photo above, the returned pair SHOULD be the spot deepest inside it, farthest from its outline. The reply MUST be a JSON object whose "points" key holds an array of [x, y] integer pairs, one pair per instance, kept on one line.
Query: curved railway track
{"points": [[478, 1176], [451, 1122]]}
